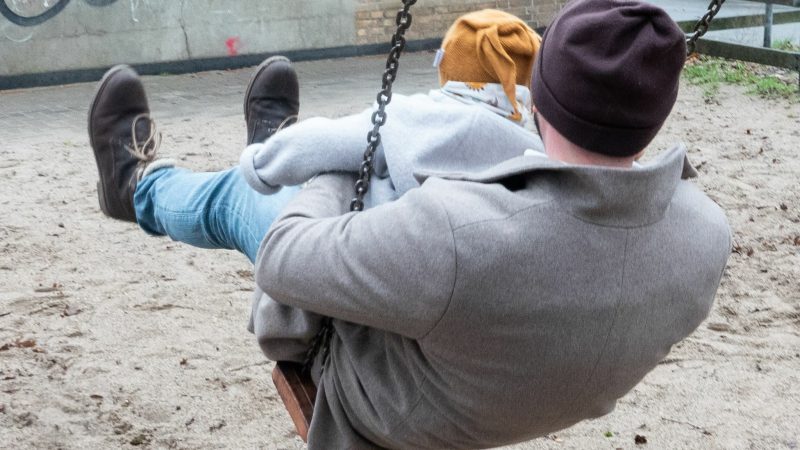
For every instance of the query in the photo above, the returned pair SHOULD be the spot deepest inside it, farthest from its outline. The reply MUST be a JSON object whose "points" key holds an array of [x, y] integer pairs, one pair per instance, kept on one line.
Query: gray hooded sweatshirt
{"points": [[423, 133], [485, 309]]}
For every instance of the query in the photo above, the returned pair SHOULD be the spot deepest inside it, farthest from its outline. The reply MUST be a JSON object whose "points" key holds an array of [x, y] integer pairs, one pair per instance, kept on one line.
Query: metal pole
{"points": [[768, 25]]}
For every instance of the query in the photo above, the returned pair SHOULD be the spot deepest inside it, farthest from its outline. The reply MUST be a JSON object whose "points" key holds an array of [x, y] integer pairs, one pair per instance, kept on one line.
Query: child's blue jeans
{"points": [[208, 209]]}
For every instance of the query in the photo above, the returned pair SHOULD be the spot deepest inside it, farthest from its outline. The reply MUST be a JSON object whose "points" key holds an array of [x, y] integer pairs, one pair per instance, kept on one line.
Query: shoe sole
{"points": [[261, 67], [99, 90]]}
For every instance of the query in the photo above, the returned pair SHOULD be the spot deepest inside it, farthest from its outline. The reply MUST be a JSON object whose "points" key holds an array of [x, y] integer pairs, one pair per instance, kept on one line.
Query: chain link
{"points": [[322, 341], [702, 25], [403, 21]]}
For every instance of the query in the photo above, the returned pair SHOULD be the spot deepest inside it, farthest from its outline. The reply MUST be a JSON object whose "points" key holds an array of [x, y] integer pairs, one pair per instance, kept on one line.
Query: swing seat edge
{"points": [[298, 393]]}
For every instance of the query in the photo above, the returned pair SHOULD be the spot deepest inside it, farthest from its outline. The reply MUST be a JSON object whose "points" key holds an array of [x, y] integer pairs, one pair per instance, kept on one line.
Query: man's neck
{"points": [[582, 157], [559, 148]]}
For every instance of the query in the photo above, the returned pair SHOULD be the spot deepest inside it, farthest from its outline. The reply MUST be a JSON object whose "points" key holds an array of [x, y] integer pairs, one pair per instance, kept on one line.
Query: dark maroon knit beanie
{"points": [[607, 73]]}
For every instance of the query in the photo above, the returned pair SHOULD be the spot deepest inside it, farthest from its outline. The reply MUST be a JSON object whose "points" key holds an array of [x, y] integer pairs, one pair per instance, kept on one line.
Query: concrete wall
{"points": [[146, 31], [91, 34]]}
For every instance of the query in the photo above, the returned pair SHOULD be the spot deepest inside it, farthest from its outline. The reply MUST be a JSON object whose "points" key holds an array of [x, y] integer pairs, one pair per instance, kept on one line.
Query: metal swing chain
{"points": [[702, 25], [321, 342], [403, 21]]}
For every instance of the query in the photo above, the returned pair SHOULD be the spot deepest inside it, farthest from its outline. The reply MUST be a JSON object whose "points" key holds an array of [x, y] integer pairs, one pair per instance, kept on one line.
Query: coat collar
{"points": [[601, 195]]}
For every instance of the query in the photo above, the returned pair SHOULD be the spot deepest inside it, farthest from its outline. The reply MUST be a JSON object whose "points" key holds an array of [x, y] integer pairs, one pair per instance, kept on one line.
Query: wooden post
{"points": [[768, 19]]}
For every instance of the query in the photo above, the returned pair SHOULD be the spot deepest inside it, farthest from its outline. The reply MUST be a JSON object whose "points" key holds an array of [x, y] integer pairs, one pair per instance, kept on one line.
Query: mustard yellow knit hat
{"points": [[489, 46]]}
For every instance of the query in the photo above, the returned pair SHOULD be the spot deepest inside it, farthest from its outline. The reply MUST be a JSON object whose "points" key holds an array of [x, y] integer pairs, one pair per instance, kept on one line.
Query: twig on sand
{"points": [[680, 422], [236, 369]]}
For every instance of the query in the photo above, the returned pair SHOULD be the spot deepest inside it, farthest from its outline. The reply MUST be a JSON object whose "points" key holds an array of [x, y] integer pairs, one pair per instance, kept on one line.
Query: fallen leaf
{"points": [[720, 327], [140, 439], [28, 343], [53, 288], [70, 310], [742, 250], [217, 427]]}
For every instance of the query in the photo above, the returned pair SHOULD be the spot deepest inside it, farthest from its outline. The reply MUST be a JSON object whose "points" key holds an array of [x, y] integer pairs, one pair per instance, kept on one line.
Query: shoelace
{"points": [[285, 123], [145, 151]]}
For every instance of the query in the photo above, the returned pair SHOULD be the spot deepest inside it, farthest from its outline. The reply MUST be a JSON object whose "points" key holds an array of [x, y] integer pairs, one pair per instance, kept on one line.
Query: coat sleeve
{"points": [[296, 154], [391, 267]]}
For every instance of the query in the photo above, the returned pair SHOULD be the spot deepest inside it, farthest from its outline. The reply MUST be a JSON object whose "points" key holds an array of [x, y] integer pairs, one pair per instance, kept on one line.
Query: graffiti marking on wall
{"points": [[29, 13], [233, 44]]}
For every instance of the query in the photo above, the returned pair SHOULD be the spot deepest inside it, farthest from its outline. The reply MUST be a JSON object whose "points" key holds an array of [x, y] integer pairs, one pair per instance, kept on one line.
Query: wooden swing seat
{"points": [[298, 392]]}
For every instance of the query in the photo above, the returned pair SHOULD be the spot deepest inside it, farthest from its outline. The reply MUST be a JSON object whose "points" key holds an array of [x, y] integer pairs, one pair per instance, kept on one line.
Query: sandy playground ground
{"points": [[112, 339]]}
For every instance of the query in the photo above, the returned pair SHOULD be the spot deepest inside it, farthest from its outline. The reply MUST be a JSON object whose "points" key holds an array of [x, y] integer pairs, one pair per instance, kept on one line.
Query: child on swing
{"points": [[477, 119], [485, 62]]}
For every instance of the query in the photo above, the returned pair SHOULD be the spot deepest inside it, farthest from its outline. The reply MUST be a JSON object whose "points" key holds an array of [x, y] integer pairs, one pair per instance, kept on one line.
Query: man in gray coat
{"points": [[483, 309], [488, 308]]}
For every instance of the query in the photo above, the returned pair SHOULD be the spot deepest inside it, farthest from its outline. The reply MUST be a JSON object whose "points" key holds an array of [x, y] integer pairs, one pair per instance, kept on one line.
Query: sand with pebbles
{"points": [[110, 338]]}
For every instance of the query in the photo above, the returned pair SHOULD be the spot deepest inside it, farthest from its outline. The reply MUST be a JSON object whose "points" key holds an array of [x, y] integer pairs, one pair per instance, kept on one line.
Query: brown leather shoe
{"points": [[123, 137], [272, 99]]}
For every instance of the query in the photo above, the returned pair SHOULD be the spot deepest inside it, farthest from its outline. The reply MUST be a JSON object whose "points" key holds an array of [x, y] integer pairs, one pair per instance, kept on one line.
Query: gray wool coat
{"points": [[485, 309]]}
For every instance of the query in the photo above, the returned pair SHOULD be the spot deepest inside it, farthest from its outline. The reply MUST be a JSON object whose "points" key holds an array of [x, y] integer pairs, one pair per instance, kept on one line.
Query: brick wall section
{"points": [[375, 19]]}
